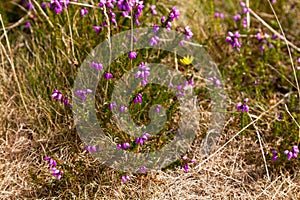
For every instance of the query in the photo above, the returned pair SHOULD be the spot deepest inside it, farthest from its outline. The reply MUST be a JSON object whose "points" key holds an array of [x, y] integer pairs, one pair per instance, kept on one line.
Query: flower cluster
{"points": [[143, 169], [186, 162], [153, 9], [114, 105], [142, 139], [293, 153], [215, 81], [233, 39], [127, 6], [84, 12], [123, 146], [58, 95], [52, 164], [92, 148], [143, 73], [59, 5], [138, 99], [274, 155], [97, 66], [262, 38], [219, 15], [167, 22], [132, 55], [188, 33], [83, 93], [243, 107], [108, 76], [125, 178]]}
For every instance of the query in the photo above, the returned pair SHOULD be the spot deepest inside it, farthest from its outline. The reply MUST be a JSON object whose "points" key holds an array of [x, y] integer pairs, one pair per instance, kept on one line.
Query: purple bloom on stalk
{"points": [[289, 154], [132, 55], [158, 108], [187, 31], [237, 17], [27, 25], [155, 29], [163, 19], [217, 15], [143, 169], [97, 29], [243, 4], [97, 66], [56, 173], [222, 15], [29, 6], [154, 40], [174, 14], [186, 168], [44, 5], [51, 161], [125, 178], [123, 108], [57, 95], [112, 106], [125, 145], [233, 39], [142, 139], [143, 73], [243, 107], [84, 12], [298, 60], [153, 11], [138, 99], [108, 76], [258, 36], [275, 155], [83, 93]]}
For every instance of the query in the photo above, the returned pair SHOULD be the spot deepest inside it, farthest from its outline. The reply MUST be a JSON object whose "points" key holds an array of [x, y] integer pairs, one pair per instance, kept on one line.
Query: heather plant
{"points": [[45, 45]]}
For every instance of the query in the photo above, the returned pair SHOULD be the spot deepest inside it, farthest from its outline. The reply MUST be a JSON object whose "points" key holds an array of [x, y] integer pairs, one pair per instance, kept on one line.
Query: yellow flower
{"points": [[187, 60]]}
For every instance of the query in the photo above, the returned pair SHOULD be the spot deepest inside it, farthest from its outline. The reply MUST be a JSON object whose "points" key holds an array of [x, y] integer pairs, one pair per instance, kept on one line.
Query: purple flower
{"points": [[58, 5], [44, 5], [29, 6], [123, 108], [243, 107], [83, 93], [142, 139], [275, 155], [154, 40], [186, 168], [187, 31], [174, 14], [93, 148], [143, 169], [123, 146], [138, 99], [214, 80], [125, 178], [108, 76], [163, 19], [298, 60], [84, 12], [112, 106], [243, 4], [56, 173], [258, 36], [155, 29], [27, 25], [153, 11], [217, 15], [233, 39], [132, 55], [237, 17], [51, 161], [97, 29], [158, 108], [97, 66]]}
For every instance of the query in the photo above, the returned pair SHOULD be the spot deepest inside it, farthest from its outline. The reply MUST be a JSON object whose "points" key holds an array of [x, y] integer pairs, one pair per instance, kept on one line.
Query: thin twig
{"points": [[261, 148]]}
